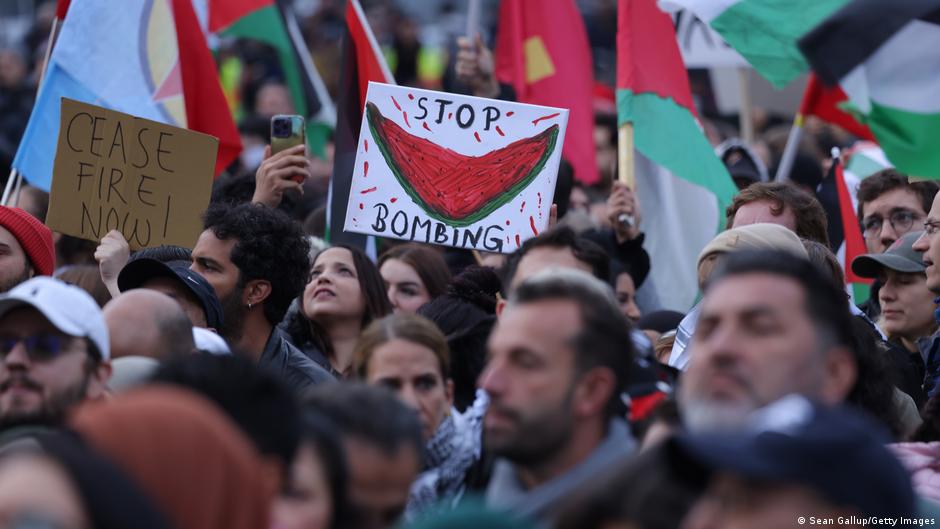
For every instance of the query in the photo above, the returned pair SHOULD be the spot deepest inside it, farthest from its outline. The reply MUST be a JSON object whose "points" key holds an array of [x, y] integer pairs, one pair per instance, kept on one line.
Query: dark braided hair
{"points": [[466, 314]]}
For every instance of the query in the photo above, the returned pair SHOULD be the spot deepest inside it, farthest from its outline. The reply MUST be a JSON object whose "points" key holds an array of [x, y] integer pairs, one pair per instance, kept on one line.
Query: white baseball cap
{"points": [[69, 308], [210, 342]]}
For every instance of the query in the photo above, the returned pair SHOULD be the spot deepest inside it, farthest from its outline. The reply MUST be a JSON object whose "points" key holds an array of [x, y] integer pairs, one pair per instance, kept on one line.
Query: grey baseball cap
{"points": [[900, 257]]}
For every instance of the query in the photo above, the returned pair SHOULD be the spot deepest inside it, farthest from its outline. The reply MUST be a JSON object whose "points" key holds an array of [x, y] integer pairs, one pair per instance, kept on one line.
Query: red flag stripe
{"points": [[854, 242], [650, 69], [823, 102], [224, 13], [369, 58], [206, 107], [61, 8]]}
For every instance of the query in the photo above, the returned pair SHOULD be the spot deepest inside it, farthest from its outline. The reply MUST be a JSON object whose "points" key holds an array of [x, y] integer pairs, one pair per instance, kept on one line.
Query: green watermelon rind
{"points": [[373, 115]]}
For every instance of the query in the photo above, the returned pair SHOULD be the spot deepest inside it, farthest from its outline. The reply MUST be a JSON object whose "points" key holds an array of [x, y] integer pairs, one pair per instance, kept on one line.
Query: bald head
{"points": [[144, 322]]}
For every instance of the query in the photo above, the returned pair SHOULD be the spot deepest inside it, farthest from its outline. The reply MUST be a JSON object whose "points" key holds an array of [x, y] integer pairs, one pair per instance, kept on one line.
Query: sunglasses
{"points": [[39, 347]]}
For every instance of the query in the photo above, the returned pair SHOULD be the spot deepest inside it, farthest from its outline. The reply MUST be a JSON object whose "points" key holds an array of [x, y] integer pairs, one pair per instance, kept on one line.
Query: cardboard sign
{"points": [[454, 170], [146, 179]]}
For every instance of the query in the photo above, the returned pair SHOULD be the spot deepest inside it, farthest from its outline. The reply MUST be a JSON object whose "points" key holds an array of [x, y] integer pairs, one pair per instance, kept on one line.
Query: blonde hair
{"points": [[409, 327]]}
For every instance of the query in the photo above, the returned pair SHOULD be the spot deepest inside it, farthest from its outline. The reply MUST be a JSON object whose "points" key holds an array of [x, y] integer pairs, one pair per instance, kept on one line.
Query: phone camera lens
{"points": [[281, 128]]}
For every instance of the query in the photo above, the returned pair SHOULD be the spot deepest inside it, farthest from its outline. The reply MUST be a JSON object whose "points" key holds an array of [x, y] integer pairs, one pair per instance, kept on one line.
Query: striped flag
{"points": [[885, 56], [824, 102], [765, 32], [265, 21], [362, 62], [685, 188], [837, 193]]}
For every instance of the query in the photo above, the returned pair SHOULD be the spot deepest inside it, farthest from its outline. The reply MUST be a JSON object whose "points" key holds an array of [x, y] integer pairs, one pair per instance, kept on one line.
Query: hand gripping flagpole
{"points": [[11, 193], [626, 165]]}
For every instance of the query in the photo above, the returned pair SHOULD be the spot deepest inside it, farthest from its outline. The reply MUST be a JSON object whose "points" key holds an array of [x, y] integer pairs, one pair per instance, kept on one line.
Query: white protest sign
{"points": [[440, 168], [701, 46]]}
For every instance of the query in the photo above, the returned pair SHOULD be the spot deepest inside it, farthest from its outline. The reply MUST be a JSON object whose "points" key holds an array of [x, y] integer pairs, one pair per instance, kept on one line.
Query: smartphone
{"points": [[287, 130]]}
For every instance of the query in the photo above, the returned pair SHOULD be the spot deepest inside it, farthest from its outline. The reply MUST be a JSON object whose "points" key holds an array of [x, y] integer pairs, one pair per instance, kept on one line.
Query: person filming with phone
{"points": [[285, 166]]}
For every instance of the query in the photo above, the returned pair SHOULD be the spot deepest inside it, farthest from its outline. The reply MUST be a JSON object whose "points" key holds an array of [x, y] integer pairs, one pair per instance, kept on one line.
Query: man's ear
{"points": [[594, 391], [98, 381], [841, 375], [256, 291], [500, 306]]}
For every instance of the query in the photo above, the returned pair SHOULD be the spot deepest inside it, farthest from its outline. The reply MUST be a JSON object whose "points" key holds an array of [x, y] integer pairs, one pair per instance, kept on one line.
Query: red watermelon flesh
{"points": [[453, 187]]}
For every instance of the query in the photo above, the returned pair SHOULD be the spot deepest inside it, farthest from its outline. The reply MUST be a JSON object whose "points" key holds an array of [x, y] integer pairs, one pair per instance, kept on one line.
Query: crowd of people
{"points": [[266, 379]]}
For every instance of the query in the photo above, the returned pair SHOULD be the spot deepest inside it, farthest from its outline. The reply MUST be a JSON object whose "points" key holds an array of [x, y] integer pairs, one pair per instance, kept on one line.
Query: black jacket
{"points": [[630, 253], [294, 368]]}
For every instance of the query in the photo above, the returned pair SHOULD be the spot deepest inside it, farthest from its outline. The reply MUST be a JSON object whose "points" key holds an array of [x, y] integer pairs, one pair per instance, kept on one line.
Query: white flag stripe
{"points": [[679, 218], [897, 78], [707, 10]]}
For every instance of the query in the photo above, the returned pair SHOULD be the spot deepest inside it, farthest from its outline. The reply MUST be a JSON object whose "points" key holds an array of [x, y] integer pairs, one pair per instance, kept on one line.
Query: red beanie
{"points": [[33, 236]]}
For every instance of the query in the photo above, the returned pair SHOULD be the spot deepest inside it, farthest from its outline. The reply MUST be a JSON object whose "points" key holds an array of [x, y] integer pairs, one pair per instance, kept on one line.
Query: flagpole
{"points": [[626, 164], [745, 119], [53, 34], [625, 155], [327, 109], [15, 179], [14, 175], [473, 18], [791, 149], [14, 200]]}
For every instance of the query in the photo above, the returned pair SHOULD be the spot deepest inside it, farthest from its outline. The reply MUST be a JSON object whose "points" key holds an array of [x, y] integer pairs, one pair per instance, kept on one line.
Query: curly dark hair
{"points": [[466, 314], [890, 179], [811, 220], [269, 247]]}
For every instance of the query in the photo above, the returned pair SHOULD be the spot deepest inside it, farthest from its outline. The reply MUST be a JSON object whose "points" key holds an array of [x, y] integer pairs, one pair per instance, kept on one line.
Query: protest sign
{"points": [[148, 180], [454, 170]]}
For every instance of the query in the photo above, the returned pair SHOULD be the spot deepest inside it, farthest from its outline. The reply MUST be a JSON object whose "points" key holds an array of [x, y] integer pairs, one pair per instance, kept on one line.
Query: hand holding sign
{"points": [[113, 171], [112, 254]]}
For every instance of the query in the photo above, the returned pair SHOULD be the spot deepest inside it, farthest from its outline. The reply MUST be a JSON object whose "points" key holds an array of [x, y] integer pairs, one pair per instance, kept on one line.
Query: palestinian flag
{"points": [[265, 21], [685, 188], [765, 32], [362, 62], [886, 57], [837, 194], [825, 103], [542, 50]]}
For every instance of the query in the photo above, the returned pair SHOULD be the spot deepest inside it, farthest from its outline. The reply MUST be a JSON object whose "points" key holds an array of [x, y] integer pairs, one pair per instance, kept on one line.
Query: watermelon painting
{"points": [[455, 170], [456, 188]]}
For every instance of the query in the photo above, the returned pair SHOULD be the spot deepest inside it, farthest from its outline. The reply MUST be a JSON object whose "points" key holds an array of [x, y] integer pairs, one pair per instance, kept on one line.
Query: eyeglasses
{"points": [[901, 222], [39, 347]]}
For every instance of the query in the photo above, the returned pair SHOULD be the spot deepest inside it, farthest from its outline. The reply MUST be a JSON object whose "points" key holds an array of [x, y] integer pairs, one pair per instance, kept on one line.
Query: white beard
{"points": [[702, 415]]}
